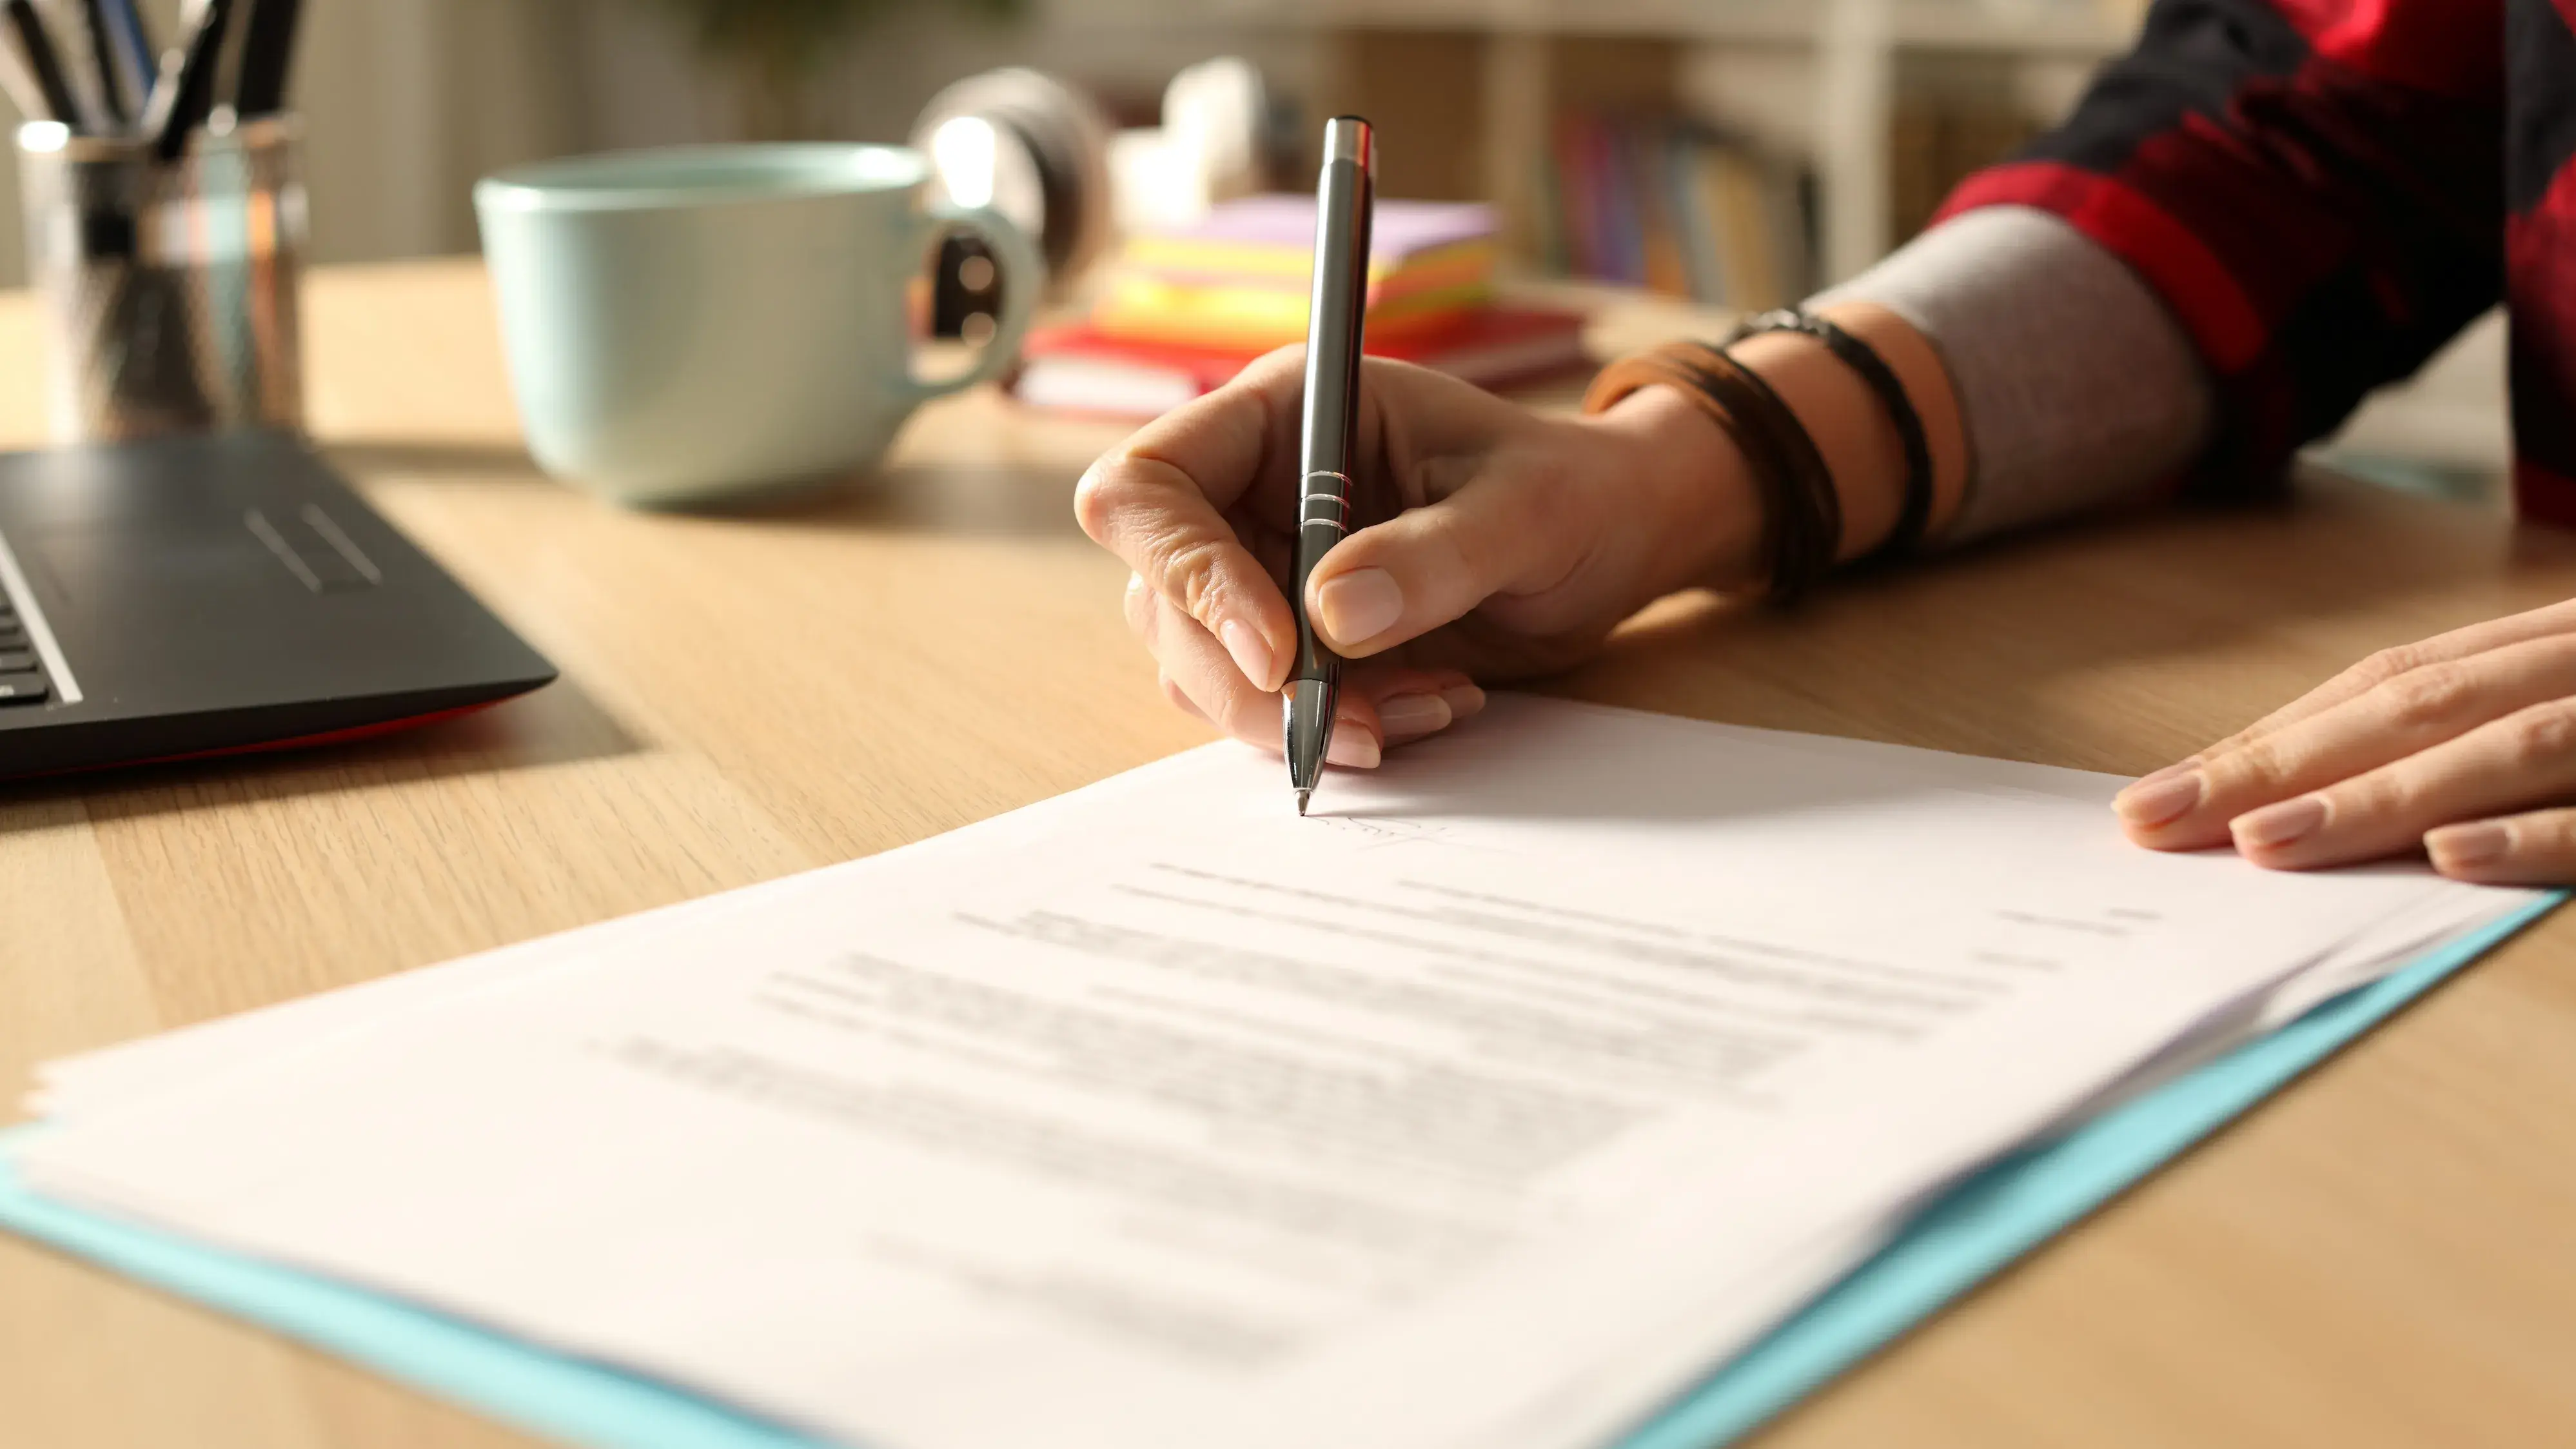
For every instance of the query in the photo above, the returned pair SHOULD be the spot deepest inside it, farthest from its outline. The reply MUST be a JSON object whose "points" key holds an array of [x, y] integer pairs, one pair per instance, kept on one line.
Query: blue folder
{"points": [[1969, 1232]]}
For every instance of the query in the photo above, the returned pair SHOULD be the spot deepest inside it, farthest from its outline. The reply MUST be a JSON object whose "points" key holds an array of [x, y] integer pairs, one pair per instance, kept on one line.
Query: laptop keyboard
{"points": [[22, 673]]}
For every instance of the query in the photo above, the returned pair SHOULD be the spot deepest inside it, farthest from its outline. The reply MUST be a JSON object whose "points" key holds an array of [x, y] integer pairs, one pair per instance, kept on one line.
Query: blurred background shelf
{"points": [[1822, 80], [1856, 115], [422, 95], [2071, 27]]}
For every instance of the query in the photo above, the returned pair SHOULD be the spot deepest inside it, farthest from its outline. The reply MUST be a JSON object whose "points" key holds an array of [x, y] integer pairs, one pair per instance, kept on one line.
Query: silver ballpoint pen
{"points": [[1345, 201]]}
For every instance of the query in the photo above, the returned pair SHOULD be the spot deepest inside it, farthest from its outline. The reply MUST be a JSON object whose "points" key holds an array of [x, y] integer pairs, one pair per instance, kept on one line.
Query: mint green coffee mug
{"points": [[695, 325]]}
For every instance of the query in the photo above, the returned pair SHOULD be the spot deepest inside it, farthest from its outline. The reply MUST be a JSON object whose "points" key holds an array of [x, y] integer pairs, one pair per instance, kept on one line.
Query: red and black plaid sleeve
{"points": [[2540, 253], [2316, 188]]}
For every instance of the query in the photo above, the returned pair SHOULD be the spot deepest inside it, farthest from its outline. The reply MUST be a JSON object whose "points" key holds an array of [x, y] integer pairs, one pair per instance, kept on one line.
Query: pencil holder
{"points": [[168, 288]]}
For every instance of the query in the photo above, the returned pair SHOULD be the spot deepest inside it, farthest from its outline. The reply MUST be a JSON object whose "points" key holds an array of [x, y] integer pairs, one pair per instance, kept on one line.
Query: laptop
{"points": [[205, 595]]}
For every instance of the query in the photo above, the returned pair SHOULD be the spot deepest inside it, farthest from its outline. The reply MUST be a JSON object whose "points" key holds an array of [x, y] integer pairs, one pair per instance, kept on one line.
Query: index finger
{"points": [[1158, 502], [1229, 439]]}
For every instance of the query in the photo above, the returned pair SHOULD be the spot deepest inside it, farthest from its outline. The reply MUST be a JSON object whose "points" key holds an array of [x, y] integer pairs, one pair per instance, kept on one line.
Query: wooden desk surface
{"points": [[2385, 1254]]}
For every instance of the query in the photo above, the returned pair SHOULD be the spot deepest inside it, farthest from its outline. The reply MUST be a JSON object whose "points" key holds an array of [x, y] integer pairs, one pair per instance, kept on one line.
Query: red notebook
{"points": [[1076, 369]]}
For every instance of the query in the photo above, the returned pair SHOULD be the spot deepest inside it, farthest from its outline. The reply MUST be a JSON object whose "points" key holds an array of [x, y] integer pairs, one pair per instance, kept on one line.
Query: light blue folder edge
{"points": [[1968, 1233]]}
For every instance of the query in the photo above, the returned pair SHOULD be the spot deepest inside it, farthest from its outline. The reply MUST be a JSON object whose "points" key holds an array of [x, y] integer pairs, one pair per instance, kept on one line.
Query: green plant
{"points": [[772, 50]]}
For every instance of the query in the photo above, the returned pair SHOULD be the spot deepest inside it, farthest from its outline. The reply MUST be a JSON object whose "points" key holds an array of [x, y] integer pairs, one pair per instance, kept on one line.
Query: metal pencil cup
{"points": [[168, 289]]}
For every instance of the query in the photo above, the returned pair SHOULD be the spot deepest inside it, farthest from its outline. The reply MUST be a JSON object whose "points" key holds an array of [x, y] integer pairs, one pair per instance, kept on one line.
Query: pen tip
{"points": [[1302, 797]]}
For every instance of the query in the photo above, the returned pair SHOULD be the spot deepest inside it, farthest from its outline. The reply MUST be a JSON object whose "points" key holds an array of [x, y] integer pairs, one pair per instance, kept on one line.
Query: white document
{"points": [[1544, 1069], [184, 1057]]}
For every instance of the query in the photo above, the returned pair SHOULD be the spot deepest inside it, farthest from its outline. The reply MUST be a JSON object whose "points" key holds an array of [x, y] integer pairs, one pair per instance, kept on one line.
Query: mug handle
{"points": [[1023, 276]]}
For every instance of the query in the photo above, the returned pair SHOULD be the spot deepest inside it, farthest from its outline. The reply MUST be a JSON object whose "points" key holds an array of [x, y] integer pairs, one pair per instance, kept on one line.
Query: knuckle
{"points": [[2542, 733], [1096, 498], [2428, 697], [1191, 571], [2217, 750], [2376, 795], [2386, 664], [2255, 764], [1093, 498], [2387, 792]]}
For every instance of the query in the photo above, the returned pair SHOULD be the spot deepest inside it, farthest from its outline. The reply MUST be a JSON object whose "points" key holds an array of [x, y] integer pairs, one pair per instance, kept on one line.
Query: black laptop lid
{"points": [[191, 595]]}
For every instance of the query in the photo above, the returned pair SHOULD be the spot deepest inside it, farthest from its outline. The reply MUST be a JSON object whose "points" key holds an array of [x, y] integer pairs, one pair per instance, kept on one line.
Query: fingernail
{"points": [[2476, 844], [1407, 715], [1463, 700], [2154, 800], [1360, 605], [1251, 652], [1352, 746], [2279, 824]]}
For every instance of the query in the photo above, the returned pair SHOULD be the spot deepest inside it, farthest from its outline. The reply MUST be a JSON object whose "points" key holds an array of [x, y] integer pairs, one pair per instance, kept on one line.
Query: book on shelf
{"points": [[1676, 207]]}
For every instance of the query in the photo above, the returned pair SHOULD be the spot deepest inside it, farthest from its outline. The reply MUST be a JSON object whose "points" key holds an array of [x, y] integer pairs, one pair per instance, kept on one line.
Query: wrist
{"points": [[1695, 489]]}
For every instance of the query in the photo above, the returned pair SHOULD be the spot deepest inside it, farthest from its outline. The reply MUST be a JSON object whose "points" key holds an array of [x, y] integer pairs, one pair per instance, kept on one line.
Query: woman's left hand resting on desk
{"points": [[2465, 742]]}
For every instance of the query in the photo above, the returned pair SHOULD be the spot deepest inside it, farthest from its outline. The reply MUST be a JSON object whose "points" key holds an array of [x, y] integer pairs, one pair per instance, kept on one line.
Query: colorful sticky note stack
{"points": [[1180, 311], [1238, 277]]}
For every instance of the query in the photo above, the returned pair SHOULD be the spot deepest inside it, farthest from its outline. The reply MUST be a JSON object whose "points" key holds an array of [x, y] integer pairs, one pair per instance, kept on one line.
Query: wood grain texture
{"points": [[2385, 1254]]}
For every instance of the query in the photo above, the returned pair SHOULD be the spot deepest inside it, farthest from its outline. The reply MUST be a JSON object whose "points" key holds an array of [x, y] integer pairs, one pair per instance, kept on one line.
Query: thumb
{"points": [[1398, 580]]}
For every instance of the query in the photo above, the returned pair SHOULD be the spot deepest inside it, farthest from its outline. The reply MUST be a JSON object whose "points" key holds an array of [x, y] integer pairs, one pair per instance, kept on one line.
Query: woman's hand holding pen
{"points": [[1494, 542], [1500, 542]]}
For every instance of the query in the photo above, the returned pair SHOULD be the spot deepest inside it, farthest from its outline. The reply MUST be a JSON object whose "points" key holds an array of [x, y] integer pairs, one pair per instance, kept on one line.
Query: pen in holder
{"points": [[168, 287]]}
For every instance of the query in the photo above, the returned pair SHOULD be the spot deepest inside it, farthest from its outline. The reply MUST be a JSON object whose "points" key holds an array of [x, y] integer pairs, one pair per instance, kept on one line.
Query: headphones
{"points": [[1043, 154]]}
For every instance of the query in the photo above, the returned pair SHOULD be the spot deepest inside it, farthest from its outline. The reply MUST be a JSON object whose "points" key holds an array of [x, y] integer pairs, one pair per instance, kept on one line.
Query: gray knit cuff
{"points": [[2078, 386]]}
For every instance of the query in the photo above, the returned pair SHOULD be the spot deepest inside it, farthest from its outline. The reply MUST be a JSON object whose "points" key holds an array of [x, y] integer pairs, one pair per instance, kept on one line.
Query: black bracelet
{"points": [[1860, 357]]}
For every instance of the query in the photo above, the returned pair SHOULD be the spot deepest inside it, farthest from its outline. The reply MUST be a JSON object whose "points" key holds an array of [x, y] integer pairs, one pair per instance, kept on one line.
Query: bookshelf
{"points": [[1473, 83], [1486, 76]]}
